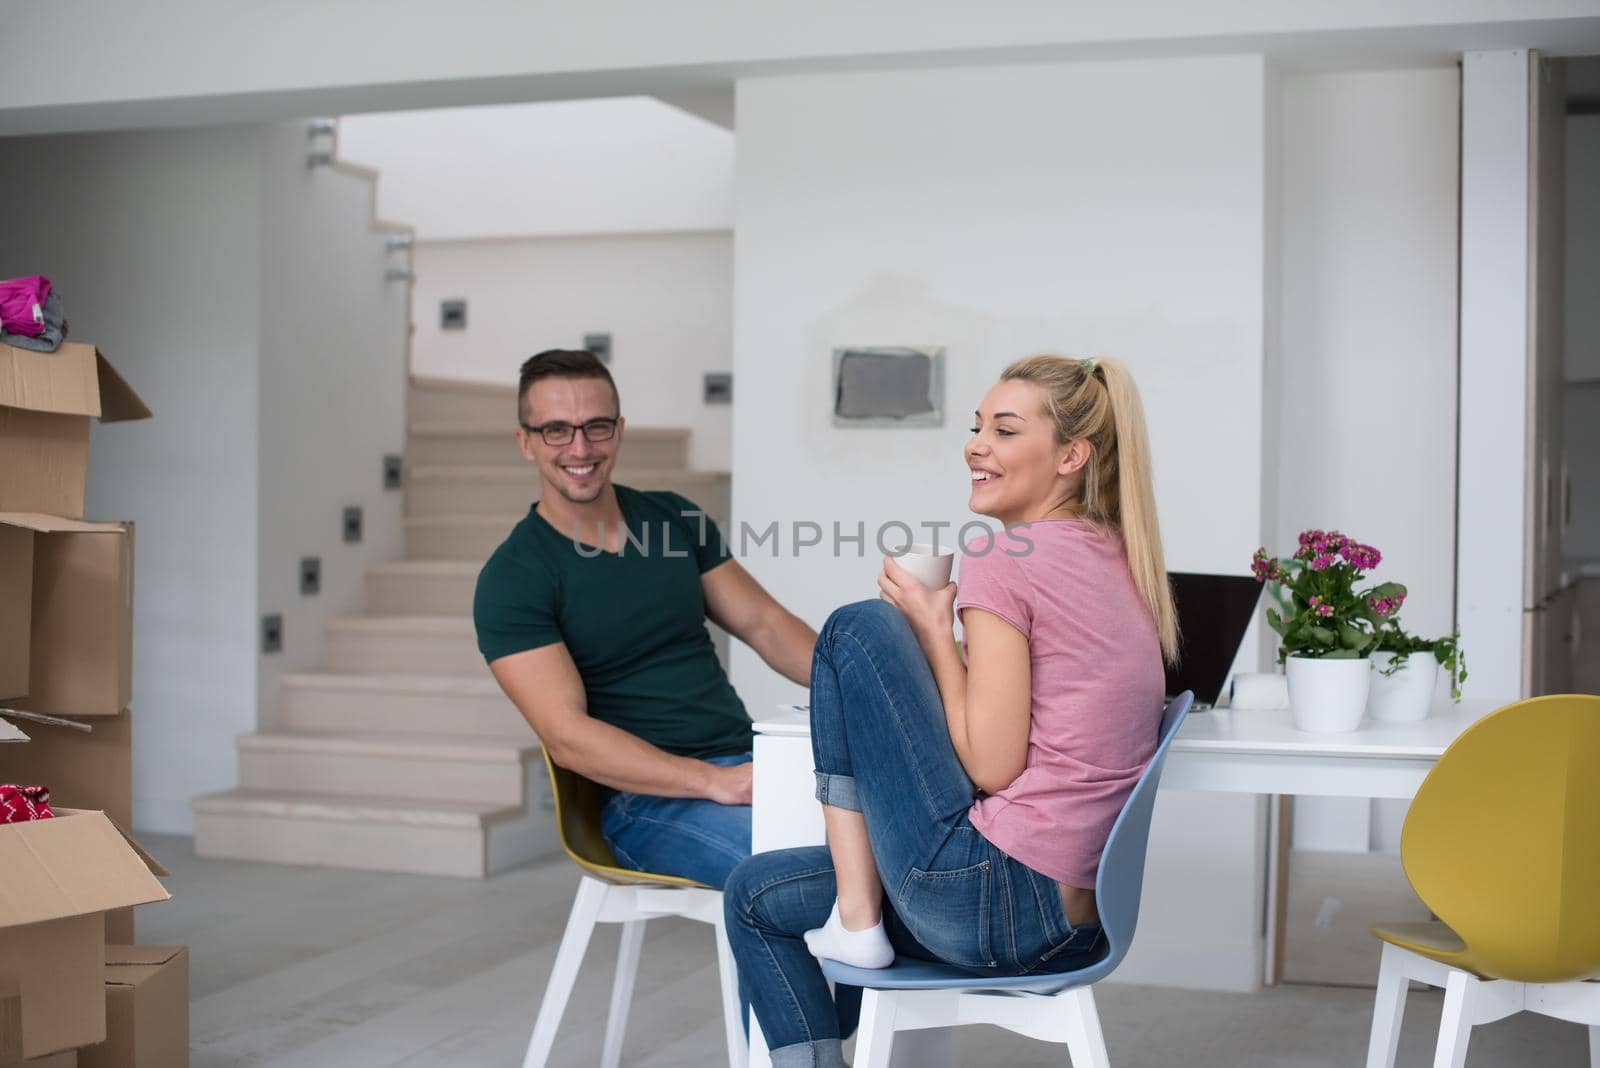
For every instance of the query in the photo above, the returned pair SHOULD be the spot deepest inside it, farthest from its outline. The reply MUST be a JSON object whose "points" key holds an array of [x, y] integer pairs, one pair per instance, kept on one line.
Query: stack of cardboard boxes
{"points": [[74, 988]]}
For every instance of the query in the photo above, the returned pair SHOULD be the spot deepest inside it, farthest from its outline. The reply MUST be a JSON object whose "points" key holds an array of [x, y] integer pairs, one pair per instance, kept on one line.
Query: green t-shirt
{"points": [[633, 621]]}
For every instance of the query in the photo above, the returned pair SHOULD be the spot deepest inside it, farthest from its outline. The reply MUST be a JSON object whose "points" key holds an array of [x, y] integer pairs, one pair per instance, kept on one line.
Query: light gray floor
{"points": [[309, 968]]}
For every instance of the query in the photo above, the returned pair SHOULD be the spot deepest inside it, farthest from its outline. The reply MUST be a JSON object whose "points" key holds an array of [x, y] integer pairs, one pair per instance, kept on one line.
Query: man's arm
{"points": [[545, 686], [736, 602]]}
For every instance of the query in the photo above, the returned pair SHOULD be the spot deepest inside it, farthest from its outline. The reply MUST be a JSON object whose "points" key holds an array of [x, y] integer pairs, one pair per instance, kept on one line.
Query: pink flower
{"points": [[1321, 562], [1264, 568], [1386, 606], [1321, 607], [1361, 557], [1310, 540]]}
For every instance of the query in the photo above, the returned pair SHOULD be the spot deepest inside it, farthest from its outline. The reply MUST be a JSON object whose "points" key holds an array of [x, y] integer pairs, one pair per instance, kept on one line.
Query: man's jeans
{"points": [[690, 837], [881, 747]]}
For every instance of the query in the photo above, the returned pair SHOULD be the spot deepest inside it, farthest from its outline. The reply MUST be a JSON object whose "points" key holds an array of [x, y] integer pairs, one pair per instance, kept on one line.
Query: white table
{"points": [[1260, 752], [1223, 750]]}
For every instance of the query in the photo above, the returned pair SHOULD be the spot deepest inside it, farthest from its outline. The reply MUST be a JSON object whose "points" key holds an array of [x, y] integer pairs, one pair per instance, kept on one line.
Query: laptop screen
{"points": [[1214, 611]]}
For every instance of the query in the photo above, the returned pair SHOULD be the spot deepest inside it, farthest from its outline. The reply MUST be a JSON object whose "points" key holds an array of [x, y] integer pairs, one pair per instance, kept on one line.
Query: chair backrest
{"points": [[578, 803], [1121, 877], [1502, 842]]}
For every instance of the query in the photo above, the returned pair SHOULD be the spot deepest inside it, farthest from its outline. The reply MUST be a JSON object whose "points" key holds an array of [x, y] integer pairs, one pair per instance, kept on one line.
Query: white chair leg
{"points": [[1455, 1026], [580, 925], [732, 1016], [875, 1033], [1388, 1009], [1086, 1043], [622, 992]]}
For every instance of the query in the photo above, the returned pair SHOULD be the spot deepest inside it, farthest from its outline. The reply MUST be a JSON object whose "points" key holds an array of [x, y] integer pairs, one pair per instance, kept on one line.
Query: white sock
{"points": [[868, 948]]}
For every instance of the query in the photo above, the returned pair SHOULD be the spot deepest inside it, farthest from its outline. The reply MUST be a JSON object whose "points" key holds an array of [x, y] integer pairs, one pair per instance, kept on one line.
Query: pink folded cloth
{"points": [[22, 304], [19, 804]]}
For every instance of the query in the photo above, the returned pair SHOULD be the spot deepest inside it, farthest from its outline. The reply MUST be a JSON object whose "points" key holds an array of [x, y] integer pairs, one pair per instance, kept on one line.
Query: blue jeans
{"points": [[690, 837], [881, 747]]}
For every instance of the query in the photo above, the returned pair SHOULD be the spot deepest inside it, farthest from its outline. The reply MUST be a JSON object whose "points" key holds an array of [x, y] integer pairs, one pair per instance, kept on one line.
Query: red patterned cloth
{"points": [[19, 804]]}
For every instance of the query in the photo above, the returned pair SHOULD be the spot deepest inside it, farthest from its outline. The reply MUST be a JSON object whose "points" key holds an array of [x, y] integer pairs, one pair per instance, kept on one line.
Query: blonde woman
{"points": [[967, 800]]}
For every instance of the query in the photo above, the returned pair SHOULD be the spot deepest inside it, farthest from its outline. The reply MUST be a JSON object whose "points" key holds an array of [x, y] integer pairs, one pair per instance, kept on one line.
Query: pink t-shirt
{"points": [[1097, 689]]}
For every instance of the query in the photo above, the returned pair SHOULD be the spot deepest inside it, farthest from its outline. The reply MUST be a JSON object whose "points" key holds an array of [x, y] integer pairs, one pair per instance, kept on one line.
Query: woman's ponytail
{"points": [[1096, 400]]}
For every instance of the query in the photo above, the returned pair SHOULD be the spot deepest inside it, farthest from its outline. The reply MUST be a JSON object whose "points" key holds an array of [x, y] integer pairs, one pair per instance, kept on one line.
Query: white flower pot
{"points": [[1406, 695], [1328, 696]]}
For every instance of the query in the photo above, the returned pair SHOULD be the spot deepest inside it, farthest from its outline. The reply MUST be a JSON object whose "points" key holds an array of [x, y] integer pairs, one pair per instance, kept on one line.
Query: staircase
{"points": [[401, 754]]}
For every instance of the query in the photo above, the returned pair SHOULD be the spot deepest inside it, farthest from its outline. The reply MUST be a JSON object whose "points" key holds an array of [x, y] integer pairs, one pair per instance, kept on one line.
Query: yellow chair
{"points": [[610, 893], [1502, 843]]}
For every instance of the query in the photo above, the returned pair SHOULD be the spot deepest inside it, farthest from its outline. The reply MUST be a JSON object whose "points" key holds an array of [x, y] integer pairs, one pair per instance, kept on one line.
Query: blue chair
{"points": [[913, 994]]}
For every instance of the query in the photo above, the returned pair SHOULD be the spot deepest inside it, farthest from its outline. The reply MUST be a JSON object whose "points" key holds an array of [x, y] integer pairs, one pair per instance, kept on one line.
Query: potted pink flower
{"points": [[1327, 626]]}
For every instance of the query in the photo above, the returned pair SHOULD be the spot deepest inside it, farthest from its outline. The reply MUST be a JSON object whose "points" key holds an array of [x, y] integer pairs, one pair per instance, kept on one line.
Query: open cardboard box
{"points": [[68, 608], [92, 770], [84, 770], [61, 875], [46, 402]]}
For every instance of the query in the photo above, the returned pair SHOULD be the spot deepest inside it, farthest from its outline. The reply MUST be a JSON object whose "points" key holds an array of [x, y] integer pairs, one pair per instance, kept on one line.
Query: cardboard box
{"points": [[80, 660], [93, 770], [147, 1009], [67, 1059], [16, 608], [60, 875], [46, 402]]}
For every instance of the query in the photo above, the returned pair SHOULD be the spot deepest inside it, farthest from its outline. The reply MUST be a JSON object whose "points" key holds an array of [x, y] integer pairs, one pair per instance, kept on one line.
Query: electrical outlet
{"points": [[719, 387], [310, 575], [272, 633], [352, 524], [453, 314], [600, 345], [391, 471]]}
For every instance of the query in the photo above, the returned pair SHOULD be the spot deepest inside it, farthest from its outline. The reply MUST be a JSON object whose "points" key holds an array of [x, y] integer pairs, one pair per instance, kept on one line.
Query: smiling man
{"points": [[592, 617]]}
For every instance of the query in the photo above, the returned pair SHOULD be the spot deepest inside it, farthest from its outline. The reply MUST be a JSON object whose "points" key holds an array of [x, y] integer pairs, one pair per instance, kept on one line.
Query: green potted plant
{"points": [[1327, 627], [1406, 670]]}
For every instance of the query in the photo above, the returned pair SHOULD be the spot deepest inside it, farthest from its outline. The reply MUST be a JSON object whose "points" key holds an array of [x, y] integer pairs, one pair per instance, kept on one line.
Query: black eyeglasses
{"points": [[562, 433]]}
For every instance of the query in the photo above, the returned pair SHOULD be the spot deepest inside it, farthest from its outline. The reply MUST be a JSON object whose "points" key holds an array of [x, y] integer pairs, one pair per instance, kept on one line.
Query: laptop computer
{"points": [[1214, 611]]}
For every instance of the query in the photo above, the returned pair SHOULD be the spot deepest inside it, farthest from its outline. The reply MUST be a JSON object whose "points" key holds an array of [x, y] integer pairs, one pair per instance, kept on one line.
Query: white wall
{"points": [[666, 300], [620, 166], [154, 240], [1367, 395], [243, 300], [1093, 208], [331, 396], [994, 213]]}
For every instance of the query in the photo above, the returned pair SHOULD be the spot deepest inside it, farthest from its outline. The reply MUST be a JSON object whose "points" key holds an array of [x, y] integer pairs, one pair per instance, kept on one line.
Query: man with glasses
{"points": [[592, 617]]}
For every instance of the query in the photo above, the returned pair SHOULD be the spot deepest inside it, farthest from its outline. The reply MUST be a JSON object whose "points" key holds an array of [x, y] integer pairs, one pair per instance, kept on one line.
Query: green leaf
{"points": [[1343, 654], [1323, 635]]}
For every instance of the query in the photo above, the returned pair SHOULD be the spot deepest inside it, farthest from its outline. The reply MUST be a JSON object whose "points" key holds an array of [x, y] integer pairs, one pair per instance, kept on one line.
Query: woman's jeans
{"points": [[881, 747]]}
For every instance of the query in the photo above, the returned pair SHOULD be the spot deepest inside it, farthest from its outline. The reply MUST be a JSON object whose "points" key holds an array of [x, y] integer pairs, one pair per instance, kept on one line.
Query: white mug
{"points": [[927, 566]]}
